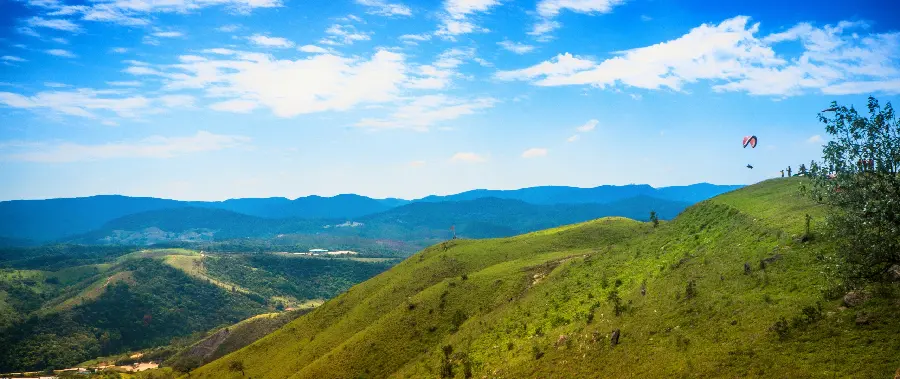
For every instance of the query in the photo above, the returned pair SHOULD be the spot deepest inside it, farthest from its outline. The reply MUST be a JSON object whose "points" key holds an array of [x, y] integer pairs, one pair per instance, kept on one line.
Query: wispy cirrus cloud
{"points": [[422, 113], [60, 53], [266, 41], [156, 147], [535, 152], [458, 14], [383, 8], [58, 24], [549, 9], [86, 102], [468, 157], [343, 35], [516, 47]]}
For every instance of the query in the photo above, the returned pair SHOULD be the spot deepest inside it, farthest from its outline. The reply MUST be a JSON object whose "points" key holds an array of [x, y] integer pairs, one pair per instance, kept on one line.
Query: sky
{"points": [[218, 99]]}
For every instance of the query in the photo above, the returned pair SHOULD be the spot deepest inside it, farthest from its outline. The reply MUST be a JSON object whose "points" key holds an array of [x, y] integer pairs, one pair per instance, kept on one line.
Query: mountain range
{"points": [[476, 213]]}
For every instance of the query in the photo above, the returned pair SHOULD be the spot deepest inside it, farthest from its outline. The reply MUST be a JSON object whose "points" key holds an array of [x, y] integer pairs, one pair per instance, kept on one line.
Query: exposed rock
{"points": [[855, 298], [643, 289], [765, 262], [897, 375], [862, 319], [894, 273], [614, 338], [746, 268]]}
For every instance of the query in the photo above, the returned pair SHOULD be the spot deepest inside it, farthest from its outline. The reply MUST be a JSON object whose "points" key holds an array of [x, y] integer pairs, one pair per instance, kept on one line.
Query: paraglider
{"points": [[750, 167], [750, 141]]}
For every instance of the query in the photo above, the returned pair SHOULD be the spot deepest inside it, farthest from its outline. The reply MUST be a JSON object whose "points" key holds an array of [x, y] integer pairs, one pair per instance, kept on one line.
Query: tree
{"points": [[236, 366], [864, 212], [802, 170], [654, 218]]}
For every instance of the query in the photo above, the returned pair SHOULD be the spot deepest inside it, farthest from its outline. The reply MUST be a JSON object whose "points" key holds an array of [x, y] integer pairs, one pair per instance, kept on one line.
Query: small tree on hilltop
{"points": [[864, 199], [236, 366], [654, 218]]}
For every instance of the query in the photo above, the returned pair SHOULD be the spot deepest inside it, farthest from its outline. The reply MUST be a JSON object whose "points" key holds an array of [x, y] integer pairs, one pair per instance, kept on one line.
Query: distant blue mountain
{"points": [[603, 194], [28, 221]]}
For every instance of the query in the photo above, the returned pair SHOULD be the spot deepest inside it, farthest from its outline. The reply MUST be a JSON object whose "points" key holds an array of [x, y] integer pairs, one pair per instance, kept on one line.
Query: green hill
{"points": [[545, 304], [111, 301], [231, 338]]}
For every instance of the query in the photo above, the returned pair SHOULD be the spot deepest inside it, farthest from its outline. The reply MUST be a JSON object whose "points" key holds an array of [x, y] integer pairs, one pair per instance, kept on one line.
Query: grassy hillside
{"points": [[545, 304], [231, 338], [138, 303]]}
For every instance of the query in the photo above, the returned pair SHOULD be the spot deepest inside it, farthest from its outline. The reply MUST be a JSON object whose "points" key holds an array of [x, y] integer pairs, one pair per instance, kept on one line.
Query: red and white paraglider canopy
{"points": [[750, 141]]}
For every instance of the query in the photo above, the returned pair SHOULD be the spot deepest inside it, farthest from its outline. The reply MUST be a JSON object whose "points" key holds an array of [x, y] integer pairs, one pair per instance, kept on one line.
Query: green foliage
{"points": [[271, 275], [523, 293], [160, 303], [859, 178], [654, 219]]}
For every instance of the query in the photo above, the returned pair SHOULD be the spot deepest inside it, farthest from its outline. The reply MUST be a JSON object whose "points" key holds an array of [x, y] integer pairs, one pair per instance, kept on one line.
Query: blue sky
{"points": [[217, 99]]}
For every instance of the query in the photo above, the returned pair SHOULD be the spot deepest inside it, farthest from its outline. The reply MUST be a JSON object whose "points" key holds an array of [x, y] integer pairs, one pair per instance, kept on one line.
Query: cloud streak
{"points": [[156, 147]]}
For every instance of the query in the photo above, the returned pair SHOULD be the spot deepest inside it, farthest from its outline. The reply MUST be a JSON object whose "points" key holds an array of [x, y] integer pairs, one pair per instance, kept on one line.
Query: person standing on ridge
{"points": [[789, 171], [782, 173]]}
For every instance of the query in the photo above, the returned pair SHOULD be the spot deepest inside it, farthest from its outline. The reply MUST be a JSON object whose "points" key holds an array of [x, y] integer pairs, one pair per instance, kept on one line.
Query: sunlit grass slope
{"points": [[540, 305]]}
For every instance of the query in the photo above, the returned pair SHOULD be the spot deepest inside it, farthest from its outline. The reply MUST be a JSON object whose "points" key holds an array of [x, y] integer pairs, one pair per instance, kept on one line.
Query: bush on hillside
{"points": [[859, 178]]}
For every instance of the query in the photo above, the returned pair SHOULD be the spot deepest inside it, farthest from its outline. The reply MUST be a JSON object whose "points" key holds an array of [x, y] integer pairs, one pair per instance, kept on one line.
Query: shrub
{"points": [[859, 177]]}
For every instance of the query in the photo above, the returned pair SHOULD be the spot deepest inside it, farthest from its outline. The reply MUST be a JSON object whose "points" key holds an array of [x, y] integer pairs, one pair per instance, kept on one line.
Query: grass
{"points": [[191, 264], [538, 305]]}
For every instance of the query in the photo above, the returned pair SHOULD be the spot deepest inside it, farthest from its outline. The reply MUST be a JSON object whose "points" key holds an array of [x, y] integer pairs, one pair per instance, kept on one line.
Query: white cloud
{"points": [[177, 101], [543, 27], [60, 53], [416, 164], [646, 18], [168, 34], [442, 71], [412, 38], [153, 147], [516, 47], [424, 112], [732, 58], [220, 51], [228, 28], [317, 83], [456, 19], [27, 31], [588, 126], [312, 49], [119, 50], [138, 12], [382, 8], [267, 41], [343, 35], [549, 9], [235, 106], [635, 96], [55, 85], [814, 139], [535, 152], [58, 24], [12, 58], [562, 65], [468, 157], [60, 40], [129, 83], [573, 138], [85, 102]]}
